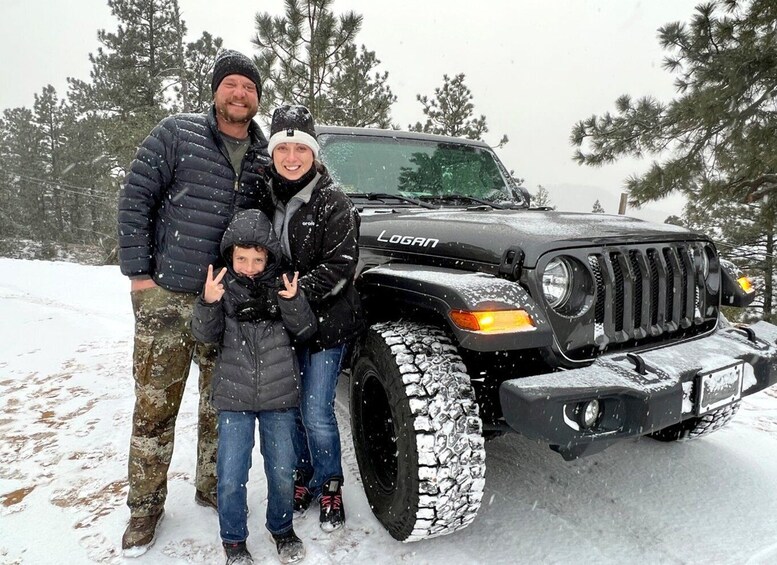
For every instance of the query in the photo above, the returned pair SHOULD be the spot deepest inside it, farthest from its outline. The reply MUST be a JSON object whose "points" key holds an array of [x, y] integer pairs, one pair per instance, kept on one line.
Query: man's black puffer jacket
{"points": [[256, 368], [179, 196]]}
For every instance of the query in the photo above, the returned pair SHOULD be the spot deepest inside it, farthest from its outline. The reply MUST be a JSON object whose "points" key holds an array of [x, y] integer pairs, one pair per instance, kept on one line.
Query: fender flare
{"points": [[441, 290], [731, 293]]}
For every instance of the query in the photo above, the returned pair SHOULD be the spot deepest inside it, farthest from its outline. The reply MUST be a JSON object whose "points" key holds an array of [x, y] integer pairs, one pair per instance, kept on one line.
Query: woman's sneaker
{"points": [[302, 495], [290, 547], [237, 553], [332, 515]]}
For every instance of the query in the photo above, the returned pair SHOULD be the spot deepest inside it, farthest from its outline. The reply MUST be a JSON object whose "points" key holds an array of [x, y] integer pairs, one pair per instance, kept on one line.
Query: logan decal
{"points": [[408, 240]]}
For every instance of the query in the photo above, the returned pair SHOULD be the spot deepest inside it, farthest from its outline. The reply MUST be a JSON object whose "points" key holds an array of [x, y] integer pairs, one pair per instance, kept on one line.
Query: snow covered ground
{"points": [[65, 409]]}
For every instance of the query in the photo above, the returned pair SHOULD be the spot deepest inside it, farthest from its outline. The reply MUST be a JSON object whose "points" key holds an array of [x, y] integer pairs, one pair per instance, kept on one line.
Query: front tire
{"points": [[416, 431], [693, 428]]}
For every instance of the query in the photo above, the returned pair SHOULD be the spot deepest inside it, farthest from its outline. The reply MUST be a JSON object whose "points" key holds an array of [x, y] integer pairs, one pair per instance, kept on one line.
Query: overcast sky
{"points": [[534, 67]]}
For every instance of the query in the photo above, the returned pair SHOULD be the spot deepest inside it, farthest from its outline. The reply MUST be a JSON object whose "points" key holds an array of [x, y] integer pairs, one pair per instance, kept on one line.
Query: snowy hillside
{"points": [[66, 397]]}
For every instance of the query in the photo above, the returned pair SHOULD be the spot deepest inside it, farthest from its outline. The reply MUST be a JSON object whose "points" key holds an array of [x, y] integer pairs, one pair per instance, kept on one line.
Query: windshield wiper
{"points": [[465, 198], [386, 196]]}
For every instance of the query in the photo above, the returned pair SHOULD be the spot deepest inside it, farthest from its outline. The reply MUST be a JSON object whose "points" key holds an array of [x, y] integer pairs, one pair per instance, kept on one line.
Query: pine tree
{"points": [[598, 208], [61, 163], [451, 112], [716, 141], [309, 57], [60, 184], [24, 202], [49, 117], [199, 57], [132, 72], [541, 199], [355, 101], [56, 179], [718, 135], [91, 184]]}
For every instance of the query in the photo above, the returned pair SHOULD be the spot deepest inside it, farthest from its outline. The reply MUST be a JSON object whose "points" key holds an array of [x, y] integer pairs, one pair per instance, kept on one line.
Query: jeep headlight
{"points": [[557, 282], [568, 286]]}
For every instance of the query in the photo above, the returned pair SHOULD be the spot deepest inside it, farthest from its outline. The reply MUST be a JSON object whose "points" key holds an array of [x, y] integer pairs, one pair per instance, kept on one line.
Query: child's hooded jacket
{"points": [[257, 367]]}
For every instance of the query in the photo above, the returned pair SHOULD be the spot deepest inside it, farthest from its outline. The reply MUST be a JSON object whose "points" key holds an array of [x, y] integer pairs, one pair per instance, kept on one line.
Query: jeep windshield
{"points": [[402, 170]]}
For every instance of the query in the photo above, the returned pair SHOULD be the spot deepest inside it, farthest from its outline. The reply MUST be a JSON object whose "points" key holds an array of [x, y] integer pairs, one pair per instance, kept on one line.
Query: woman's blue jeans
{"points": [[317, 440], [276, 442]]}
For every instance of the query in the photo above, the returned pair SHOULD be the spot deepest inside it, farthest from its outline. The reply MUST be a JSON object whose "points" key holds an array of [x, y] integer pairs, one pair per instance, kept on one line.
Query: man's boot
{"points": [[140, 534]]}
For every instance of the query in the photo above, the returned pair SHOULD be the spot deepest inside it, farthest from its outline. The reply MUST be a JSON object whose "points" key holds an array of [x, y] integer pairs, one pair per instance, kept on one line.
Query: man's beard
{"points": [[224, 111]]}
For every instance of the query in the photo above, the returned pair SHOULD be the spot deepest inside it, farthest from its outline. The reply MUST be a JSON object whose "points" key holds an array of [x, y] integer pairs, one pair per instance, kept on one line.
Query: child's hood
{"points": [[247, 228]]}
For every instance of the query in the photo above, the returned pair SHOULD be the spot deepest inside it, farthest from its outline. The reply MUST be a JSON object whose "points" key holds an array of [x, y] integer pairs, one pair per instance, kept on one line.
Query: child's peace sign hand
{"points": [[214, 290], [291, 286]]}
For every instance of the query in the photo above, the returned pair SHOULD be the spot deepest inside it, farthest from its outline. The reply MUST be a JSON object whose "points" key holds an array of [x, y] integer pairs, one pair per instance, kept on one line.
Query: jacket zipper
{"points": [[237, 185], [257, 400]]}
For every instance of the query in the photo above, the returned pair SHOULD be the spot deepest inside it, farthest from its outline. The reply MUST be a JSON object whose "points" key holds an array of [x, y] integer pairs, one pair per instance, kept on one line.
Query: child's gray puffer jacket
{"points": [[257, 368]]}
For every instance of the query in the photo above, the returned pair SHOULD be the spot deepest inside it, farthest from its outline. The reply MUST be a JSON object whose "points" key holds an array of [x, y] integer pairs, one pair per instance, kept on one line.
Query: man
{"points": [[190, 175]]}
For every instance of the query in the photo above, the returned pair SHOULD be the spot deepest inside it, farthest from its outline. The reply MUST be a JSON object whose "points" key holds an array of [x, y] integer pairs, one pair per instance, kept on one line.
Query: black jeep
{"points": [[486, 315]]}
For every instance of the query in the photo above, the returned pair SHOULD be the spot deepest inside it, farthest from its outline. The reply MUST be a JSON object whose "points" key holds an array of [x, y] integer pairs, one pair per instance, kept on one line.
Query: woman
{"points": [[318, 228]]}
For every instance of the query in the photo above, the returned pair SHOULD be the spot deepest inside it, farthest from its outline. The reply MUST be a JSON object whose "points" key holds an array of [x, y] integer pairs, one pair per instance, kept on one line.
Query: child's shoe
{"points": [[237, 553], [290, 547]]}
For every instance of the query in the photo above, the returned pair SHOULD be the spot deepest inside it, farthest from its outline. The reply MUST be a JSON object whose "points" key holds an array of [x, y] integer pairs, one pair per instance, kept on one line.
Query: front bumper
{"points": [[638, 393]]}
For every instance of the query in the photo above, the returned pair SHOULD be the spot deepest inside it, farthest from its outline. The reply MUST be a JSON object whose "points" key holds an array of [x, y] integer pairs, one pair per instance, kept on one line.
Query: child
{"points": [[256, 378]]}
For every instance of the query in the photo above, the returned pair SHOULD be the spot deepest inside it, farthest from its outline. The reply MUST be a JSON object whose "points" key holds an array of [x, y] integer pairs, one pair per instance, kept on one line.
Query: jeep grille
{"points": [[642, 294]]}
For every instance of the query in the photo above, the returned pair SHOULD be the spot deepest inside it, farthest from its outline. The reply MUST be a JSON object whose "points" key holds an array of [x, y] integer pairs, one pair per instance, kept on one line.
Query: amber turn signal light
{"points": [[495, 321], [745, 284]]}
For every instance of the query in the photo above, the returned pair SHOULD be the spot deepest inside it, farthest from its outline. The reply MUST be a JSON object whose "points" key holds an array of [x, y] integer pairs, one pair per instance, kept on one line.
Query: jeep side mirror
{"points": [[523, 193]]}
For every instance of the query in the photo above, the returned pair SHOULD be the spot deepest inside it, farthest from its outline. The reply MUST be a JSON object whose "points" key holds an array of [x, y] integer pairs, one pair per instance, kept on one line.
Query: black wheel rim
{"points": [[379, 438]]}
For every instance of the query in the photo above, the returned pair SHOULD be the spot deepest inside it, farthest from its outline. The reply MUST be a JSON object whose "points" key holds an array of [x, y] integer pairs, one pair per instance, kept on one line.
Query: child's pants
{"points": [[236, 441]]}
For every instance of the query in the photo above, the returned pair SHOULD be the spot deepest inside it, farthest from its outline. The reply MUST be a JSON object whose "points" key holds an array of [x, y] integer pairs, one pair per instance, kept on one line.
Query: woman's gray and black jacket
{"points": [[319, 232], [179, 195], [257, 368]]}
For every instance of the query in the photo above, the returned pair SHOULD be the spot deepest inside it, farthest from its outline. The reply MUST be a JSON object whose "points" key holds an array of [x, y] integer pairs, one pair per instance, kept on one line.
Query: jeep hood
{"points": [[483, 235]]}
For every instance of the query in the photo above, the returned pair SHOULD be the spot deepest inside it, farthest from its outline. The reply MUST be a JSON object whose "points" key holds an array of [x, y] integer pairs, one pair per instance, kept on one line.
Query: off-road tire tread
{"points": [[448, 431], [695, 428]]}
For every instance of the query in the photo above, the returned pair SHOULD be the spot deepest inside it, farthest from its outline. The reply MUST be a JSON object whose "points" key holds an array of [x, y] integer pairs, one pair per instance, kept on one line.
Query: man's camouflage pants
{"points": [[164, 350]]}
